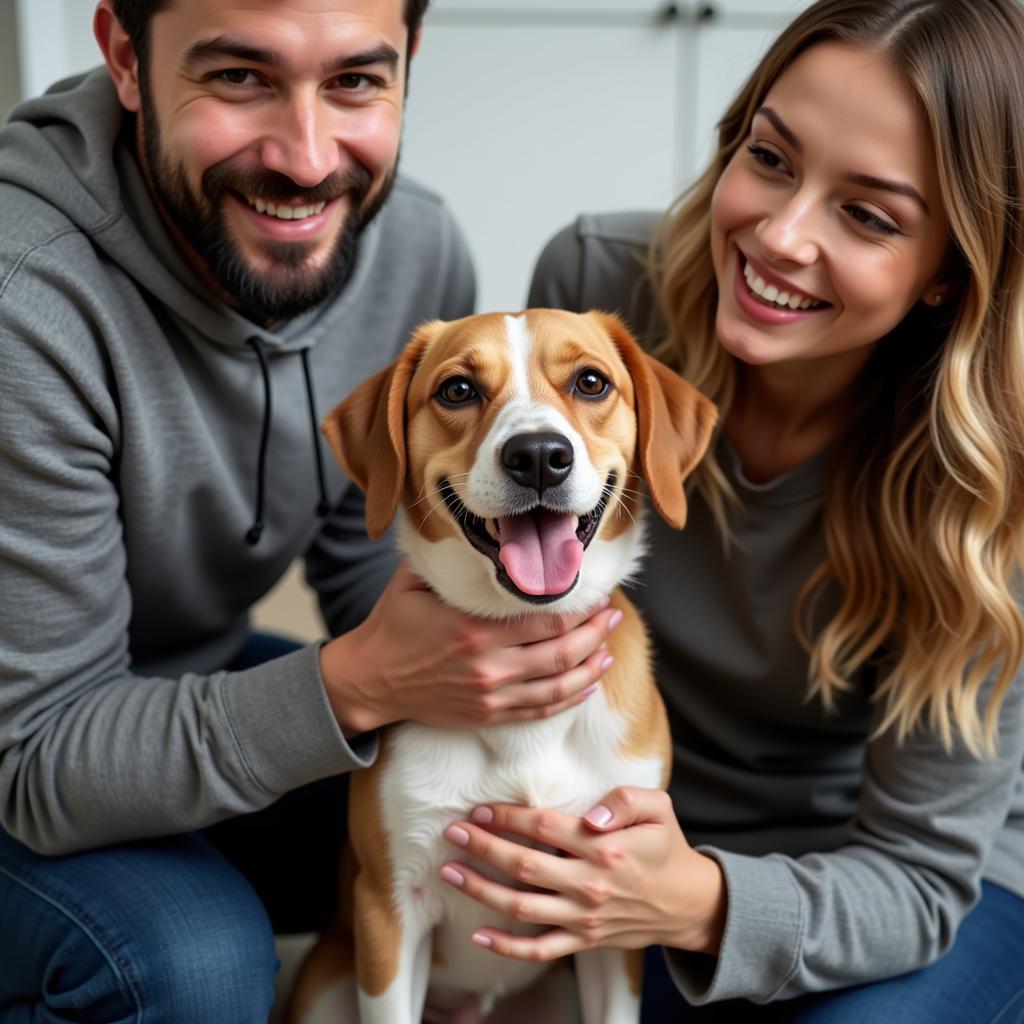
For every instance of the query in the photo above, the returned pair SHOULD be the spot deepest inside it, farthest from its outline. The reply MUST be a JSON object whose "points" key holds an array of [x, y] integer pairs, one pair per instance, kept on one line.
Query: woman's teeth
{"points": [[285, 212], [769, 293]]}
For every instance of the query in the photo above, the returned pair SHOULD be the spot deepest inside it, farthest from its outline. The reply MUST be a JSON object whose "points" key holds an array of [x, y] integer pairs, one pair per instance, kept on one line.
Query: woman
{"points": [[837, 631]]}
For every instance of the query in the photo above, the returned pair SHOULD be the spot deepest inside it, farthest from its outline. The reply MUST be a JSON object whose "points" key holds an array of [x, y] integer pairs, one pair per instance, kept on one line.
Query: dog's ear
{"points": [[674, 422], [366, 432]]}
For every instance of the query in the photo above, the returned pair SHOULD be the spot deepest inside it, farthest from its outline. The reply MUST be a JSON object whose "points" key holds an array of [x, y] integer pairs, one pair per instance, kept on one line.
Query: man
{"points": [[203, 245]]}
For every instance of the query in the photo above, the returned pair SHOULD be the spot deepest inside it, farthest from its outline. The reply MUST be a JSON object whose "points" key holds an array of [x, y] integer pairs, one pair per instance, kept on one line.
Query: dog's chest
{"points": [[436, 777]]}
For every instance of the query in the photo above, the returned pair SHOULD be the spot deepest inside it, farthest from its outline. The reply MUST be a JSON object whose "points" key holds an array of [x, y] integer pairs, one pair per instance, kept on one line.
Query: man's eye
{"points": [[457, 391], [236, 76], [592, 384]]}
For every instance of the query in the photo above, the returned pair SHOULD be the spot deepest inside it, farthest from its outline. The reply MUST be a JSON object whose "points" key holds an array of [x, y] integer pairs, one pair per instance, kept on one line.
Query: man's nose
{"points": [[301, 141], [792, 231]]}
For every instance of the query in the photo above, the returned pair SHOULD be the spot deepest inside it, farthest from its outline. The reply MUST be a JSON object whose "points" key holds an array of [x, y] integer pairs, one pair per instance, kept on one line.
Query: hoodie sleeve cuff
{"points": [[761, 943], [283, 726]]}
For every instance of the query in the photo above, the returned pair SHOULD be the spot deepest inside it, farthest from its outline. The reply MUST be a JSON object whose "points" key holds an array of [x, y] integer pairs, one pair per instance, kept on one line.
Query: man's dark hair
{"points": [[134, 16]]}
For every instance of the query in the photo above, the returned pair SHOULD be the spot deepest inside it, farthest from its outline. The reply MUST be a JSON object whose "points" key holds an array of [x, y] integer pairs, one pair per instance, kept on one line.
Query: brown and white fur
{"points": [[401, 928]]}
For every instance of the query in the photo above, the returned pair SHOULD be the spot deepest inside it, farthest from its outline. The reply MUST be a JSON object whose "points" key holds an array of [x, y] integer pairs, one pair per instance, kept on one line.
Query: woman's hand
{"points": [[417, 659], [629, 878]]}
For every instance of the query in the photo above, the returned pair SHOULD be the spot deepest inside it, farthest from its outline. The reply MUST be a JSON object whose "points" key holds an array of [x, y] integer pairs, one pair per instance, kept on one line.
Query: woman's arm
{"points": [[889, 900]]}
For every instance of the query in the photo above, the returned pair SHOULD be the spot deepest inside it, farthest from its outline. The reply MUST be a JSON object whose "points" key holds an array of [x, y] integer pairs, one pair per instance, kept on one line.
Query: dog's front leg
{"points": [[610, 981], [392, 957]]}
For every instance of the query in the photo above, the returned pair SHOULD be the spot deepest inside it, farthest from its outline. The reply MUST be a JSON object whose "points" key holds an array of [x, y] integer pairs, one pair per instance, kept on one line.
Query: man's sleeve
{"points": [[91, 753], [889, 900]]}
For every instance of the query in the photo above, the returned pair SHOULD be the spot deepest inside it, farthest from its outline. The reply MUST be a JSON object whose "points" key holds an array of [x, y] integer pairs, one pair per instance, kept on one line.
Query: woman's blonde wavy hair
{"points": [[924, 499]]}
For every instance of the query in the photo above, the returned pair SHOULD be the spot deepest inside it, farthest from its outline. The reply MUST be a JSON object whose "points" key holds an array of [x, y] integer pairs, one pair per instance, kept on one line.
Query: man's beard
{"points": [[291, 287]]}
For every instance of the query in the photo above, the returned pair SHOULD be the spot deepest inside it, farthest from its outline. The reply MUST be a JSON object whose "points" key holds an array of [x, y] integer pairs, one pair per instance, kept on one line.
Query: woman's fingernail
{"points": [[599, 816], [482, 940], [590, 689], [458, 835], [614, 620], [607, 663], [482, 816], [449, 874], [605, 601]]}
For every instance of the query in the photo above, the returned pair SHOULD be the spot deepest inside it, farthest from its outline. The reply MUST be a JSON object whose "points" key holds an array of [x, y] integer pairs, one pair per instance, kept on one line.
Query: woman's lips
{"points": [[761, 310]]}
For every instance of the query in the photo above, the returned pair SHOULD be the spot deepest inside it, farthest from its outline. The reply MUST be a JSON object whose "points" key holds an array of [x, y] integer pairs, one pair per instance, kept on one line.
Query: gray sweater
{"points": [[131, 409], [845, 860]]}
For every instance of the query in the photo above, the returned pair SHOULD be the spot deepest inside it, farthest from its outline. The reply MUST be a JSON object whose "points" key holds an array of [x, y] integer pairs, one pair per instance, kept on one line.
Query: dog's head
{"points": [[513, 446]]}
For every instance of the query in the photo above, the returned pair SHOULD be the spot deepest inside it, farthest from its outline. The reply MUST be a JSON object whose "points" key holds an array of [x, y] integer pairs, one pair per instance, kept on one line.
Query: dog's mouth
{"points": [[536, 552]]}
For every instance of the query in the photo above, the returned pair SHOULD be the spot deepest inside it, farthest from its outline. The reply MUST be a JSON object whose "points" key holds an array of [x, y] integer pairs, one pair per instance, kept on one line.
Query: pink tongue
{"points": [[540, 551]]}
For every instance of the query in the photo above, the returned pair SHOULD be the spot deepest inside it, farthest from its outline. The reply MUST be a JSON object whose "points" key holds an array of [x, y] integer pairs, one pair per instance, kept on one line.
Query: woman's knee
{"points": [[165, 931]]}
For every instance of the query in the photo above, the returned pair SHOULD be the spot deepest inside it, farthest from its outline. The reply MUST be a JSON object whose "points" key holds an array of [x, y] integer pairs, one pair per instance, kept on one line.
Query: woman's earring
{"points": [[937, 298]]}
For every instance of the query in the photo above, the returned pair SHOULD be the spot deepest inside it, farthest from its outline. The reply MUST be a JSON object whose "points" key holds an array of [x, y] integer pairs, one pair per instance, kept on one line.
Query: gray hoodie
{"points": [[131, 411]]}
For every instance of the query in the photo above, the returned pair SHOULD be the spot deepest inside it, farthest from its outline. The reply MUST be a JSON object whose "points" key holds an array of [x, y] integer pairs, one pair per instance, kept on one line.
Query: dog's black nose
{"points": [[537, 460]]}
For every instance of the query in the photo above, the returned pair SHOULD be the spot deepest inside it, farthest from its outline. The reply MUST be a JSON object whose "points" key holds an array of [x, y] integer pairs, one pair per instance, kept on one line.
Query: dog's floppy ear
{"points": [[674, 422], [366, 432]]}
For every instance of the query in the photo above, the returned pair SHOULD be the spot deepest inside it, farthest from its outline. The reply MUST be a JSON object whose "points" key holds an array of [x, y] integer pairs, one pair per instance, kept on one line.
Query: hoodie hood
{"points": [[74, 148]]}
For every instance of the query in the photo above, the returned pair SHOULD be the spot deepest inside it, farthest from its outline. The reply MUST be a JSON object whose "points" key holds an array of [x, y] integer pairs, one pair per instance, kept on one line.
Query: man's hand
{"points": [[416, 659], [629, 878]]}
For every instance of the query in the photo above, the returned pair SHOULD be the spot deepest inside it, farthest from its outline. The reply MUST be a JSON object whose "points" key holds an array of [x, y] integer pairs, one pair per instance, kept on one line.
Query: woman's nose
{"points": [[791, 232]]}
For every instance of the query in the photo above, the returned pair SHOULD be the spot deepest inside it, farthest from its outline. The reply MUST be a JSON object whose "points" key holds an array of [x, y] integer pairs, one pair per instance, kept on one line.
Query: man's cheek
{"points": [[373, 141], [203, 142]]}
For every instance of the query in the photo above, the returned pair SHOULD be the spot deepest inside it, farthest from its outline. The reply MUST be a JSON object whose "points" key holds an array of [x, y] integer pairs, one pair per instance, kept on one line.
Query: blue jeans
{"points": [[170, 931], [180, 931], [979, 981]]}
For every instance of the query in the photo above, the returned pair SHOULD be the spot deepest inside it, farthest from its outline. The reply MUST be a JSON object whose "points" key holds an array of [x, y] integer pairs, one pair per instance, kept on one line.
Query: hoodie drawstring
{"points": [[255, 531], [323, 507]]}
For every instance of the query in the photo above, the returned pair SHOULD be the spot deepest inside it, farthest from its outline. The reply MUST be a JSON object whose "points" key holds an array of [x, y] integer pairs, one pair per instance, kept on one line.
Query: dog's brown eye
{"points": [[456, 391], [592, 384]]}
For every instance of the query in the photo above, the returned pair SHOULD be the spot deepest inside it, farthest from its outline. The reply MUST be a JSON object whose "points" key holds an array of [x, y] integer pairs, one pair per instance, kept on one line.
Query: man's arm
{"points": [[90, 752]]}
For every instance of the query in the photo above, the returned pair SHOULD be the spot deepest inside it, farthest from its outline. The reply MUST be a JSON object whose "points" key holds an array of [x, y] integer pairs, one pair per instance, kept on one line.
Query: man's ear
{"points": [[366, 432], [119, 54], [674, 422]]}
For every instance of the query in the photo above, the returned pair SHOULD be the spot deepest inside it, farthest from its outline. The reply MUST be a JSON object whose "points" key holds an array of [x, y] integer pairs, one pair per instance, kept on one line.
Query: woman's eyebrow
{"points": [[886, 185], [854, 177], [780, 126]]}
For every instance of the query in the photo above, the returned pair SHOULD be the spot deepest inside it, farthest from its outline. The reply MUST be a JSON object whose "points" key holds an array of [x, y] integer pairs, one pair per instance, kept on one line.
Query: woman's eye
{"points": [[766, 157], [457, 391], [871, 220], [591, 384]]}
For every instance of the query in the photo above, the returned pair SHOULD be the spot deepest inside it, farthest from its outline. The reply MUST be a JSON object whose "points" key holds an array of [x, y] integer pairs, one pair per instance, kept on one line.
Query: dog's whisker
{"points": [[419, 501], [431, 511]]}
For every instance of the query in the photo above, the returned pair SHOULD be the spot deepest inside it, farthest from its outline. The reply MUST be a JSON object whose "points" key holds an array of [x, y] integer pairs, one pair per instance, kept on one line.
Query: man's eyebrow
{"points": [[855, 177], [207, 51]]}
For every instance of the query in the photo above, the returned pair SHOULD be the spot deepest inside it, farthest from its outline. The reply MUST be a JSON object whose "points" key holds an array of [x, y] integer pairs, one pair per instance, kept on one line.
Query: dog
{"points": [[506, 444]]}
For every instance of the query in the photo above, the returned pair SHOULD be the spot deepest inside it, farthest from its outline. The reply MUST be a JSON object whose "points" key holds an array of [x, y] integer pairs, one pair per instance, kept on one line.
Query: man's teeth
{"points": [[770, 293], [285, 212]]}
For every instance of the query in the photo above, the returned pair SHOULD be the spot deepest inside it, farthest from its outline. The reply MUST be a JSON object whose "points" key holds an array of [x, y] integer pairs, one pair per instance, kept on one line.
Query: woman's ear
{"points": [[937, 293], [366, 432]]}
